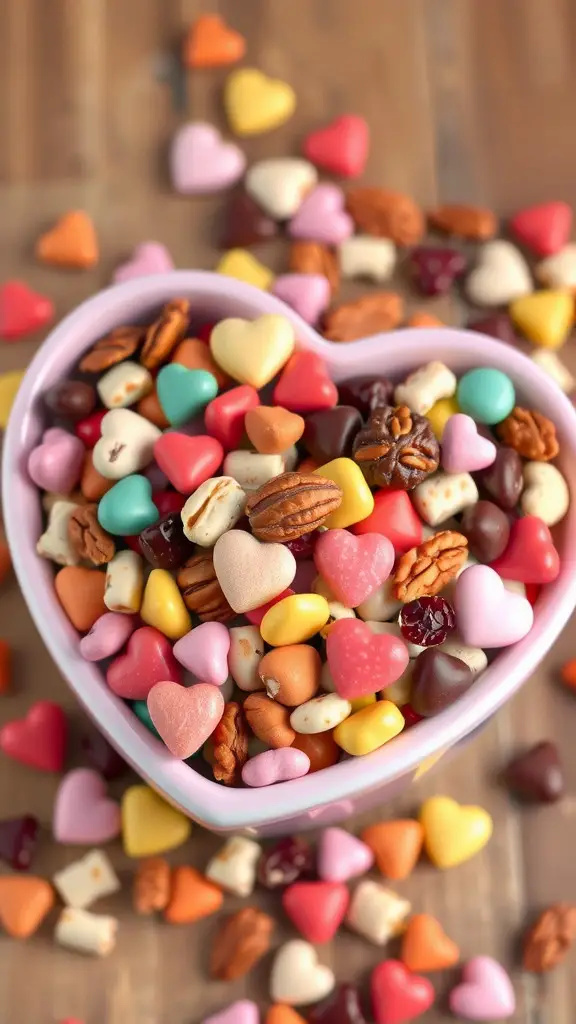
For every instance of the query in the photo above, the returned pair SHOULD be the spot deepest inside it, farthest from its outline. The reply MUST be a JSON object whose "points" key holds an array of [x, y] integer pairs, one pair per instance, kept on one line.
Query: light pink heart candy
{"points": [[83, 813], [275, 766], [201, 161], [147, 258], [486, 992], [307, 294], [108, 634], [488, 615], [204, 652], [185, 716], [56, 463], [354, 567], [322, 217], [463, 448], [342, 856], [242, 1012]]}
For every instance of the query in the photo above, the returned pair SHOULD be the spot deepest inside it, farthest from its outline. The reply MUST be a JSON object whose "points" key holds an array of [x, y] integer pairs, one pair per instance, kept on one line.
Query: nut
{"points": [[368, 315], [473, 222], [120, 344], [314, 258], [165, 333], [426, 569], [151, 885], [216, 506], [269, 721], [387, 214], [230, 745], [201, 590], [530, 433], [291, 505], [396, 449], [90, 541], [240, 942], [548, 940]]}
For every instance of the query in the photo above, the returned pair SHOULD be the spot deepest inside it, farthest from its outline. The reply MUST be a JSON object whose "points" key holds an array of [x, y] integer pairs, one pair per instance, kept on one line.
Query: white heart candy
{"points": [[126, 445], [559, 270], [370, 258], [253, 351], [501, 275], [279, 185], [251, 573], [297, 978]]}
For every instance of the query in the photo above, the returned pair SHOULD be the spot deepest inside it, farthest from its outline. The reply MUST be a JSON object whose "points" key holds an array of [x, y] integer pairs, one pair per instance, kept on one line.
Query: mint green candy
{"points": [[127, 508], [485, 394], [140, 709], [183, 393]]}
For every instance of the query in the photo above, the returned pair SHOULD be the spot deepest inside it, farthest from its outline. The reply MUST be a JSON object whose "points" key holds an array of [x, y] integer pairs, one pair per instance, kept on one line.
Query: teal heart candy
{"points": [[140, 709], [127, 508], [183, 393]]}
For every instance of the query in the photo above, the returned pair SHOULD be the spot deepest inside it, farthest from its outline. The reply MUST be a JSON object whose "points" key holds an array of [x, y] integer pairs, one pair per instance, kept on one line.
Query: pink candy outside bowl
{"points": [[354, 784]]}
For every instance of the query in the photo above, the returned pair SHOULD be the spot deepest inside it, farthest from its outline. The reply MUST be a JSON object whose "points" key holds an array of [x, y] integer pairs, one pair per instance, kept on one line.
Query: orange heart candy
{"points": [[195, 355], [24, 903], [396, 846], [273, 429], [81, 594], [93, 485], [280, 1014], [72, 242], [426, 947], [150, 408], [211, 43], [421, 319], [192, 898], [568, 674]]}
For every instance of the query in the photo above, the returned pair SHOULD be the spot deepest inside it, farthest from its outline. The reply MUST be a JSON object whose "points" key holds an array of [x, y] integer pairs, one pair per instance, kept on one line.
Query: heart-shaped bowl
{"points": [[354, 783]]}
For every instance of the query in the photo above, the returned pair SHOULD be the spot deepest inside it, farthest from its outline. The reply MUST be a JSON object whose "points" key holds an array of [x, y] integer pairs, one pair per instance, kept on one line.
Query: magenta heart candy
{"points": [[275, 766], [83, 813], [204, 652], [361, 661], [108, 634], [308, 294], [148, 660], [242, 1012], [353, 567], [56, 464], [147, 258], [342, 856], [488, 615], [322, 217], [201, 161], [486, 992], [185, 716], [464, 450]]}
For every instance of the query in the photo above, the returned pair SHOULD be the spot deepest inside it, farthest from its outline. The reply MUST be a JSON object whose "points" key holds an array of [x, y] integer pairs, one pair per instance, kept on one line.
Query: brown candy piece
{"points": [[269, 721], [536, 776], [240, 942], [548, 941], [92, 484], [290, 505], [70, 399], [487, 528], [291, 674], [152, 884], [246, 223], [195, 354], [366, 393], [120, 344], [438, 680], [474, 222], [320, 747], [81, 594], [165, 333], [381, 311], [386, 214], [503, 480], [90, 541], [530, 433], [149, 407], [330, 433], [201, 590], [396, 449], [272, 429], [230, 745], [315, 258]]}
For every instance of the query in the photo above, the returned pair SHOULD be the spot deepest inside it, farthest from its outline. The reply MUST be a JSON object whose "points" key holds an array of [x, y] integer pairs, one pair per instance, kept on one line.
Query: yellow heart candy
{"points": [[149, 824], [545, 318], [255, 103], [163, 606], [440, 413], [245, 267], [294, 619], [9, 384], [452, 832], [369, 728], [253, 351], [357, 498]]}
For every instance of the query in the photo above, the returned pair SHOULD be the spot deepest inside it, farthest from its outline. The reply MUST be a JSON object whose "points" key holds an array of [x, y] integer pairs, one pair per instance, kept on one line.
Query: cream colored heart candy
{"points": [[86, 880], [251, 470], [279, 184], [126, 445], [545, 493], [501, 275], [370, 258], [125, 384], [124, 583], [253, 351], [250, 573], [426, 386], [377, 913], [297, 978], [234, 866], [551, 363], [54, 543], [559, 270], [213, 508]]}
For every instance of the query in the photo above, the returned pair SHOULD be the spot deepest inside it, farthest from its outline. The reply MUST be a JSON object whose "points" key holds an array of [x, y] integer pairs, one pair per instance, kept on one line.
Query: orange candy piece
{"points": [[568, 674], [321, 748], [426, 947], [150, 408], [5, 561], [5, 659], [421, 319], [396, 846], [195, 355], [211, 43], [272, 429], [71, 242], [93, 485], [280, 1014], [307, 466], [81, 594], [193, 897], [24, 903]]}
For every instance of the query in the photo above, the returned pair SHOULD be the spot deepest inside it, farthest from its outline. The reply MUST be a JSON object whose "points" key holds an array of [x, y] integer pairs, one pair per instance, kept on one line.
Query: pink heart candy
{"points": [[308, 294], [342, 856], [354, 567], [486, 992], [185, 716], [56, 464], [147, 258], [201, 161], [488, 615], [108, 634], [242, 1012], [361, 661], [322, 217], [83, 813], [464, 450], [204, 652], [275, 766]]}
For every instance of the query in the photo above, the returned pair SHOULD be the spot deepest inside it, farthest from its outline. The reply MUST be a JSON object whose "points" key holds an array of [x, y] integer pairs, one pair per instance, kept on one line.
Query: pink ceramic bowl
{"points": [[353, 784]]}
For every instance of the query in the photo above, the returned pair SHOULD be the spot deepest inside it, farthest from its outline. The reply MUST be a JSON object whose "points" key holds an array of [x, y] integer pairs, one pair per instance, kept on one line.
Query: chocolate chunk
{"points": [[503, 480], [536, 776], [487, 528], [438, 680], [329, 434]]}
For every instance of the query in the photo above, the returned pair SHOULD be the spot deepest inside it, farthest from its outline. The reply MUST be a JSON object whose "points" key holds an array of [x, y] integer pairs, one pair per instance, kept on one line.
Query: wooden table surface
{"points": [[466, 101]]}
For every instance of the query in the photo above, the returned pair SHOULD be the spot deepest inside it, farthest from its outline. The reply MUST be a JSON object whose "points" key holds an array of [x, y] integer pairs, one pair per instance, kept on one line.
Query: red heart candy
{"points": [[224, 415], [305, 385], [148, 660], [89, 430], [22, 310], [341, 147], [398, 995], [188, 461], [530, 556], [361, 661], [544, 228], [316, 909], [39, 740], [394, 516]]}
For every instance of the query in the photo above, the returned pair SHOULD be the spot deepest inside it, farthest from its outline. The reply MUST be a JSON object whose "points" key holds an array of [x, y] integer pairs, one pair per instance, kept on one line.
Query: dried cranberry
{"points": [[343, 1007], [411, 717], [18, 838], [427, 621], [283, 863], [303, 547]]}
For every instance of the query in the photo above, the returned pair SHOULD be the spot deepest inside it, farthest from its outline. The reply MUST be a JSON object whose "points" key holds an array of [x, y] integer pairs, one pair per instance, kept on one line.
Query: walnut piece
{"points": [[530, 433], [370, 314], [548, 940], [396, 449], [291, 505], [240, 942], [90, 541], [230, 745], [424, 571]]}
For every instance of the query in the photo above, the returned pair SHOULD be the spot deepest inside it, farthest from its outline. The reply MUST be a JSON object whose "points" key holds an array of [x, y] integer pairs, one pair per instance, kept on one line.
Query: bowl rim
{"points": [[217, 806]]}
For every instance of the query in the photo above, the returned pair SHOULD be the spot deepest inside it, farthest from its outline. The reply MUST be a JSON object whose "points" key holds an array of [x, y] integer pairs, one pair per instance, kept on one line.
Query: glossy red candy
{"points": [[427, 621], [398, 995], [89, 430], [411, 717], [148, 660], [316, 909], [342, 1007], [341, 147], [224, 415], [102, 756], [204, 331], [257, 614], [544, 228], [18, 838], [164, 544], [168, 501], [22, 310], [133, 542], [530, 556], [394, 517], [188, 461], [283, 863], [39, 739], [305, 385]]}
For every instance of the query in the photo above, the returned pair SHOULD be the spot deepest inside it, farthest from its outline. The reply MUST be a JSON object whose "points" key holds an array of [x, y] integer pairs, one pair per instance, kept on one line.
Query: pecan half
{"points": [[201, 590], [290, 505], [368, 315], [240, 942], [315, 258], [548, 940], [230, 745], [425, 570], [530, 433], [120, 344], [269, 721], [163, 335], [473, 222], [151, 889], [89, 540], [386, 214], [397, 448]]}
